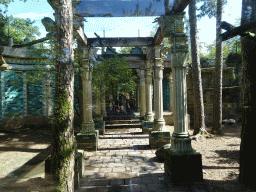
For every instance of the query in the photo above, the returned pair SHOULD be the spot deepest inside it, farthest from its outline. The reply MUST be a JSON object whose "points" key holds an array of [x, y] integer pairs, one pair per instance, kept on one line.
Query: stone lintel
{"points": [[122, 42]]}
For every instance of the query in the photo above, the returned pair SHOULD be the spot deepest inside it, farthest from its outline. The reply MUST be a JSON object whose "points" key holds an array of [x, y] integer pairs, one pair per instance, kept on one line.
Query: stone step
{"points": [[110, 118], [120, 126], [136, 121]]}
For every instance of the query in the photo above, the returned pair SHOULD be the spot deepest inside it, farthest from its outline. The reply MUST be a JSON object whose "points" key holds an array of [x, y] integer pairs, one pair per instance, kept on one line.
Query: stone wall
{"points": [[231, 94]]}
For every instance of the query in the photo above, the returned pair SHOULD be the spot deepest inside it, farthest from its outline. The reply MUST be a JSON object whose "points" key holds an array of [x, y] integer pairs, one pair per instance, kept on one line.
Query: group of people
{"points": [[124, 105]]}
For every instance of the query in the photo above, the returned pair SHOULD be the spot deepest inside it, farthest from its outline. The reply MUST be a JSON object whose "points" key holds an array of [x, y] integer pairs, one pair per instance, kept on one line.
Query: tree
{"points": [[199, 118], [247, 162], [115, 74], [62, 140], [217, 99], [17, 28]]}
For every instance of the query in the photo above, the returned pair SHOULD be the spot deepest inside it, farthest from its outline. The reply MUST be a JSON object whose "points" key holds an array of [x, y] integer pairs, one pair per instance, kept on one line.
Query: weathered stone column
{"points": [[142, 93], [147, 124], [88, 138], [103, 103], [180, 150], [159, 135], [171, 108]]}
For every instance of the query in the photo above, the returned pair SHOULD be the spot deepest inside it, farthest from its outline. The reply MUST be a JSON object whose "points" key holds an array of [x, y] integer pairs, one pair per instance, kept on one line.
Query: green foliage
{"points": [[126, 50], [208, 8], [115, 75], [18, 28]]}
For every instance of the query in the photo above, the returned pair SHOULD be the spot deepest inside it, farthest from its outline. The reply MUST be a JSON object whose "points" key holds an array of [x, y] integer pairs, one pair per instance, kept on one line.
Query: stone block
{"points": [[100, 126], [181, 168], [147, 126], [88, 141], [79, 162], [159, 138]]}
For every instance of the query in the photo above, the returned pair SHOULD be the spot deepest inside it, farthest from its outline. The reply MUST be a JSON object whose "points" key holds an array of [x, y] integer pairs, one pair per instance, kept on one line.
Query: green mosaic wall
{"points": [[13, 97], [34, 99], [166, 95]]}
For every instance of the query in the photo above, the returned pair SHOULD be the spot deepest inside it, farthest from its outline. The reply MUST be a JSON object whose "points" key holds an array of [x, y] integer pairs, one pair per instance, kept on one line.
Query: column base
{"points": [[147, 126], [100, 126], [159, 125], [149, 117], [88, 141], [159, 138], [88, 127], [182, 168]]}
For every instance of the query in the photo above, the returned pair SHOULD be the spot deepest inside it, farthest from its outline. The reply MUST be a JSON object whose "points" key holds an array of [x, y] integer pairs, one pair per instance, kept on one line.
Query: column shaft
{"points": [[148, 89], [142, 94], [159, 123], [88, 124]]}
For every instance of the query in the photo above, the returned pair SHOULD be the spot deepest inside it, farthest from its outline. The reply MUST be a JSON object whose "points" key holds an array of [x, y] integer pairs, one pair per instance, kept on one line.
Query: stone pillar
{"points": [[147, 125], [142, 93], [103, 103], [159, 136], [47, 95], [180, 150], [88, 138], [99, 123], [171, 108]]}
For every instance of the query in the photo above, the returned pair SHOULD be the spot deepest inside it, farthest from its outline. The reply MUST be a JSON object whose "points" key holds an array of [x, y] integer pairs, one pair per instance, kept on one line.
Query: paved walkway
{"points": [[125, 162]]}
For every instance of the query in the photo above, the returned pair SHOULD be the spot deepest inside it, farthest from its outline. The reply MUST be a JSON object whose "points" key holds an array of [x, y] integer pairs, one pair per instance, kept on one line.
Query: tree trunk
{"points": [[247, 162], [62, 141], [217, 100], [199, 118]]}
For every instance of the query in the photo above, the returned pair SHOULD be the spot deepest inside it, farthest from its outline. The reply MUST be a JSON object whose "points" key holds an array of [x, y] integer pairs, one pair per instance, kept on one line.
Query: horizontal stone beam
{"points": [[81, 37], [180, 5], [159, 36], [121, 42]]}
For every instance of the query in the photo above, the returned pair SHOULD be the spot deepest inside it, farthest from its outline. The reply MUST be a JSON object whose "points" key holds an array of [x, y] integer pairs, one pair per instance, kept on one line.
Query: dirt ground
{"points": [[22, 153]]}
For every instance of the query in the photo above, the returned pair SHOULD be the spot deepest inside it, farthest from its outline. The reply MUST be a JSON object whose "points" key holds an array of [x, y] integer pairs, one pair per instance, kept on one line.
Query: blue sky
{"points": [[121, 27]]}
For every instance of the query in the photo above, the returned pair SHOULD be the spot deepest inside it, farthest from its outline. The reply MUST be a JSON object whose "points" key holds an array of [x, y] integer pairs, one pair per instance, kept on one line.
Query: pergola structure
{"points": [[181, 162]]}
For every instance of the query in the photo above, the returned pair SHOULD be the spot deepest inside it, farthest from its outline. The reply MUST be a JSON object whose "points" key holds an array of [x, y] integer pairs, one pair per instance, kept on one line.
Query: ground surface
{"points": [[124, 162]]}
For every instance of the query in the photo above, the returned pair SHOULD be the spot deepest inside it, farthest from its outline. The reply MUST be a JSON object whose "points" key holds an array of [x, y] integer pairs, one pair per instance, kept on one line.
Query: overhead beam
{"points": [[159, 36], [241, 30], [81, 37], [122, 42], [180, 5]]}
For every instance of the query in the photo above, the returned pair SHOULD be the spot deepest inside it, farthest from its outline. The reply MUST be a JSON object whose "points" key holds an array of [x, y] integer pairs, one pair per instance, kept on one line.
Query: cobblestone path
{"points": [[125, 162]]}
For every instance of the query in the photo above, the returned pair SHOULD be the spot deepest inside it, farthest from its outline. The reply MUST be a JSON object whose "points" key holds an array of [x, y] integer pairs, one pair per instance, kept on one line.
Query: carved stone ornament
{"points": [[179, 48]]}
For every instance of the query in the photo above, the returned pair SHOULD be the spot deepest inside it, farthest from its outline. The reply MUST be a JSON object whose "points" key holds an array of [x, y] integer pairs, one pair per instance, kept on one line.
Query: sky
{"points": [[120, 26]]}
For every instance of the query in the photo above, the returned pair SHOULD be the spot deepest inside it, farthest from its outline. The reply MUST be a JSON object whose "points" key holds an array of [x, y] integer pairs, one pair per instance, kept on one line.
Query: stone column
{"points": [[103, 103], [159, 123], [147, 124], [88, 138], [142, 93], [159, 136], [171, 108], [180, 150], [47, 95]]}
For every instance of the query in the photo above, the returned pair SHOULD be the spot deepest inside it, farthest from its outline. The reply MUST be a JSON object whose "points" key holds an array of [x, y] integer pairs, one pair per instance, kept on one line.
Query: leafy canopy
{"points": [[115, 75]]}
